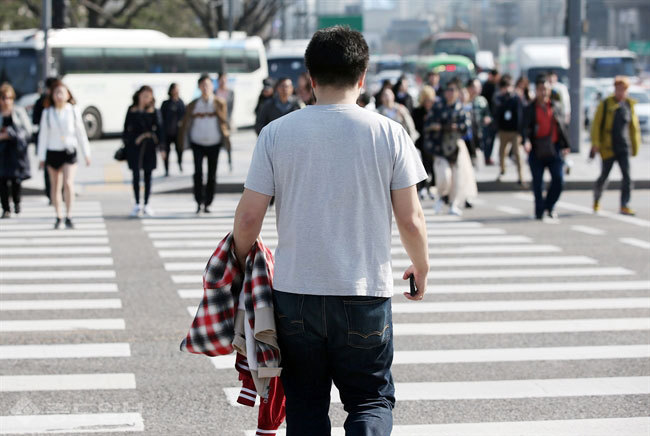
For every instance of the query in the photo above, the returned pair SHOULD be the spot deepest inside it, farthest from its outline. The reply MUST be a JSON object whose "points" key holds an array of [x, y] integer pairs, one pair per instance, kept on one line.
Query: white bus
{"points": [[607, 63], [287, 59], [104, 67]]}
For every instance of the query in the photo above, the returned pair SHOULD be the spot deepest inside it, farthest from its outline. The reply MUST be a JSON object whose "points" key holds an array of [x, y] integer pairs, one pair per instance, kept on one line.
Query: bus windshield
{"points": [[463, 47], [19, 67], [611, 67]]}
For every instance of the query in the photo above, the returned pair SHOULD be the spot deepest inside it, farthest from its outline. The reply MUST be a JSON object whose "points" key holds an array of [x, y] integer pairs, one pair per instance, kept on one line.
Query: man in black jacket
{"points": [[546, 139], [281, 104], [488, 91], [509, 114]]}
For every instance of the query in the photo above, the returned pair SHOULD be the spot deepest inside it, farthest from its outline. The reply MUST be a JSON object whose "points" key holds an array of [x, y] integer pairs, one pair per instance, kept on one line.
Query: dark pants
{"points": [[555, 167], [490, 135], [427, 161], [147, 185], [205, 194], [4, 192], [172, 139], [345, 340], [623, 160], [48, 185]]}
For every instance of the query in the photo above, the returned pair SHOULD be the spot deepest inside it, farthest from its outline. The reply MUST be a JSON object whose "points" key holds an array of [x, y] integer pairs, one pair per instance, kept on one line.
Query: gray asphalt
{"points": [[179, 394]]}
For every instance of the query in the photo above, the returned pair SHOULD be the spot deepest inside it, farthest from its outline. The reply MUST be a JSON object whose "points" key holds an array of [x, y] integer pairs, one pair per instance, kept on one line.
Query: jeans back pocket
{"points": [[369, 321]]}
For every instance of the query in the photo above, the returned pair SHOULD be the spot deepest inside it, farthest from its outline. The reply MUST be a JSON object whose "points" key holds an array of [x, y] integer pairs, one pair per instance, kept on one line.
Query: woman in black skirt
{"points": [[61, 135], [143, 136]]}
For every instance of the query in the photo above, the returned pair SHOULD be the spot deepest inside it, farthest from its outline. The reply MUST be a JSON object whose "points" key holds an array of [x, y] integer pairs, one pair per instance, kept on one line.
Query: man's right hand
{"points": [[420, 283], [528, 146]]}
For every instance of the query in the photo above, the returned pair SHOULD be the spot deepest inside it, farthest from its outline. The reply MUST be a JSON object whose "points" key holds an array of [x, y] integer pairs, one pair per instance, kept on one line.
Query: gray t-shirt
{"points": [[331, 169]]}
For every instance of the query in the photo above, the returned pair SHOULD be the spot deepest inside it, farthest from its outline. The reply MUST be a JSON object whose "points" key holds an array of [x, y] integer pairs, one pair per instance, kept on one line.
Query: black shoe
{"points": [[17, 208], [198, 209], [446, 199], [68, 224], [6, 214], [468, 205], [552, 214], [206, 209], [57, 224]]}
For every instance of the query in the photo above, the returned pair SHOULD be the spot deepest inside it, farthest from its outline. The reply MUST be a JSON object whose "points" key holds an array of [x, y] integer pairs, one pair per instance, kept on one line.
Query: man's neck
{"points": [[207, 97], [543, 102], [331, 95]]}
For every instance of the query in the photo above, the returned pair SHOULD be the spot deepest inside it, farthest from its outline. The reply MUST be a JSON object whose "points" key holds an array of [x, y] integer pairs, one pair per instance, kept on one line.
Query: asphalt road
{"points": [[528, 328]]}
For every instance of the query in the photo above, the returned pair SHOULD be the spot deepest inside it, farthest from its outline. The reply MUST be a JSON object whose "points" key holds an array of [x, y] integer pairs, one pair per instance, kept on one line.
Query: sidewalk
{"points": [[107, 175]]}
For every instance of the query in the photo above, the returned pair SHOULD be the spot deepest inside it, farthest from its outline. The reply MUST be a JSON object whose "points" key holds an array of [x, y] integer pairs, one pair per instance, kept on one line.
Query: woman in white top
{"points": [[61, 135]]}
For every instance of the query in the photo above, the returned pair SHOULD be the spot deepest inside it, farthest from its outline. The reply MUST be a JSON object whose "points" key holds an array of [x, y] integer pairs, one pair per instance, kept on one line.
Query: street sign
{"points": [[354, 21], [640, 47]]}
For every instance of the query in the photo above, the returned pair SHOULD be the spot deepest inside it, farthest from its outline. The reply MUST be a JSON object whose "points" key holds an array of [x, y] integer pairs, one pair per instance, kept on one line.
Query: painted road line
{"points": [[65, 351], [192, 278], [190, 293], [510, 210], [636, 242], [204, 254], [48, 220], [533, 272], [55, 275], [433, 241], [493, 355], [523, 305], [37, 262], [104, 303], [72, 423], [482, 249], [493, 288], [50, 233], [47, 325], [66, 382], [571, 427], [200, 227], [50, 214], [57, 288], [504, 389], [48, 226], [30, 251], [589, 230], [53, 241], [502, 261], [521, 327]]}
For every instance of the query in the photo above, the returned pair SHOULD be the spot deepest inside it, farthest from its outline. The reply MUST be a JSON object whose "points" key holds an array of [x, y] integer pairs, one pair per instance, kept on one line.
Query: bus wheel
{"points": [[93, 123]]}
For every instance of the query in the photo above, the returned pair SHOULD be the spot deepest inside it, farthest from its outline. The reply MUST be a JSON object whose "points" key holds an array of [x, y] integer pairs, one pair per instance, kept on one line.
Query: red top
{"points": [[545, 121]]}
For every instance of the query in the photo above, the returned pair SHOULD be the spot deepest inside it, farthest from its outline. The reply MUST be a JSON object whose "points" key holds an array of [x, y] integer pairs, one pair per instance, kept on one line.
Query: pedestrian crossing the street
{"points": [[510, 323], [59, 296]]}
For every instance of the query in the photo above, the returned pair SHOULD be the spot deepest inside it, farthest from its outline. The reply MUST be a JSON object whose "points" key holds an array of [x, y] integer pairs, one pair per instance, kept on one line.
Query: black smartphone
{"points": [[412, 283]]}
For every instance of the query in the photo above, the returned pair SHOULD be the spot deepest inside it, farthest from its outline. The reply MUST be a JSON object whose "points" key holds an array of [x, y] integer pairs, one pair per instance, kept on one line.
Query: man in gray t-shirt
{"points": [[338, 173]]}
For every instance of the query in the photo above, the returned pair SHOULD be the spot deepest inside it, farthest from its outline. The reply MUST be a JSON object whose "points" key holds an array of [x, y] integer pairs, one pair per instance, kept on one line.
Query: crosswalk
{"points": [[497, 303], [40, 270]]}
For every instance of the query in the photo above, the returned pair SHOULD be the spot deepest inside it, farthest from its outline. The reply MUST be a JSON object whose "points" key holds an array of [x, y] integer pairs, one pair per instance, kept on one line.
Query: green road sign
{"points": [[640, 47], [354, 21]]}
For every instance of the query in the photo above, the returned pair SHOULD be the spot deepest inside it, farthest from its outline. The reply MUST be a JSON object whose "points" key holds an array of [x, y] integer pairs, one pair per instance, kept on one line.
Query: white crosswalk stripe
{"points": [[37, 260], [470, 257]]}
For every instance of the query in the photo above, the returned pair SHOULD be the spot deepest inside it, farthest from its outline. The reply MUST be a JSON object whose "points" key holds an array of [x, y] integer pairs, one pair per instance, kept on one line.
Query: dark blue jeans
{"points": [[345, 340], [555, 167]]}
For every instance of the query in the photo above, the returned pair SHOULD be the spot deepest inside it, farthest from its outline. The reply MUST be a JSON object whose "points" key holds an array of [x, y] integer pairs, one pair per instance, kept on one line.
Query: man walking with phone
{"points": [[337, 172]]}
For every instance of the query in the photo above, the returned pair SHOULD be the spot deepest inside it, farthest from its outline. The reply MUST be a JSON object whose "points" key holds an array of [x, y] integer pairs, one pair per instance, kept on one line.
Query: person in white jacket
{"points": [[61, 136]]}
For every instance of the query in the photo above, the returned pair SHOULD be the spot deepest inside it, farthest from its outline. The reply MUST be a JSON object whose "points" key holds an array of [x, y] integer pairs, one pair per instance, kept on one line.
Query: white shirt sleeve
{"points": [[80, 132]]}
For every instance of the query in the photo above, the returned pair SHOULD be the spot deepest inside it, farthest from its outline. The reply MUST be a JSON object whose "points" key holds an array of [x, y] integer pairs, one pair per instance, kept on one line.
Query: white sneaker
{"points": [[148, 211], [423, 192], [438, 205], [453, 210], [136, 211]]}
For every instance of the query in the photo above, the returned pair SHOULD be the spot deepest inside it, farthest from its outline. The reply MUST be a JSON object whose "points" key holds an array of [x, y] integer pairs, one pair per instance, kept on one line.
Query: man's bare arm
{"points": [[248, 222], [413, 233]]}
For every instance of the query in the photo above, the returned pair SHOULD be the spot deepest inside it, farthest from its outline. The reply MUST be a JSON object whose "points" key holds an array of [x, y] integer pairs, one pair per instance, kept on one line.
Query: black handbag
{"points": [[120, 154], [450, 146], [544, 148]]}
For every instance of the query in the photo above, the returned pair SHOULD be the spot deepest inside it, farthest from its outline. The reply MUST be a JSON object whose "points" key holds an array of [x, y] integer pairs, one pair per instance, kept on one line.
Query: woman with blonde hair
{"points": [[15, 131], [426, 98], [62, 134]]}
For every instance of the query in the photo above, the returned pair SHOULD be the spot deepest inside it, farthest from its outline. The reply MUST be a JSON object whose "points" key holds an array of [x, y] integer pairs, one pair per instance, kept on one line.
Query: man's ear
{"points": [[362, 80], [313, 82]]}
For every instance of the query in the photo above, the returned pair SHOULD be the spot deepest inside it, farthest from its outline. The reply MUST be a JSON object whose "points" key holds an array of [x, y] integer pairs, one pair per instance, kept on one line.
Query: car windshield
{"points": [[19, 67], [462, 47], [287, 67]]}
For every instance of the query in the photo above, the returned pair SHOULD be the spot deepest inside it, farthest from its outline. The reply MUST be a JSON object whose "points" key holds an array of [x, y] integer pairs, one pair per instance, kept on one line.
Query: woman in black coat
{"points": [[15, 132], [143, 135], [172, 111]]}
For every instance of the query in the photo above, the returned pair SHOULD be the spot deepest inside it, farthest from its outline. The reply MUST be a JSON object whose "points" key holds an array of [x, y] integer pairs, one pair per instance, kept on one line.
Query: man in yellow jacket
{"points": [[615, 133]]}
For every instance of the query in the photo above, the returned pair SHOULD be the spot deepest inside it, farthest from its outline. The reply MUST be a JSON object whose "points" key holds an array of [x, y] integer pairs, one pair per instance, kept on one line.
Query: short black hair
{"points": [[203, 77], [506, 80], [281, 80], [364, 98], [337, 56], [50, 81], [470, 82], [540, 80], [171, 87], [494, 71]]}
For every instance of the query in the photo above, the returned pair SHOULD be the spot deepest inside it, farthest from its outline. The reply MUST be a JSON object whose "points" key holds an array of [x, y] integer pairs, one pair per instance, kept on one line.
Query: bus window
{"points": [[167, 61], [203, 60], [19, 67], [235, 61], [253, 60], [126, 60], [291, 67], [82, 60], [464, 47], [611, 67]]}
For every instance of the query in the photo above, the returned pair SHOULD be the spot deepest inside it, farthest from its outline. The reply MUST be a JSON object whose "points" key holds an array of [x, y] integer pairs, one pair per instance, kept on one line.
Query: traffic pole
{"points": [[574, 20], [47, 23]]}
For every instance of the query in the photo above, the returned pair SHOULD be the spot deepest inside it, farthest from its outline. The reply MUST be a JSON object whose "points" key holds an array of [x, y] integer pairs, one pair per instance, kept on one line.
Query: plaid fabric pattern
{"points": [[213, 328], [258, 290]]}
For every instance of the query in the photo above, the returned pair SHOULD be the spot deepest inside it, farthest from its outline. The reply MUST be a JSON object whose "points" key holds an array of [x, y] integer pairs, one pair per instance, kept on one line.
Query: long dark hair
{"points": [[171, 88], [136, 96], [49, 100]]}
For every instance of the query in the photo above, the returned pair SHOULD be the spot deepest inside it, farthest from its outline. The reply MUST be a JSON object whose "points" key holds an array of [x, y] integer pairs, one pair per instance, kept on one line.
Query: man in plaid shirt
{"points": [[338, 173]]}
